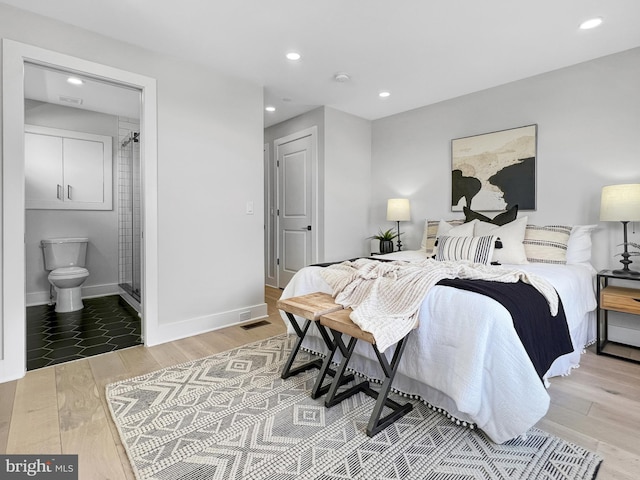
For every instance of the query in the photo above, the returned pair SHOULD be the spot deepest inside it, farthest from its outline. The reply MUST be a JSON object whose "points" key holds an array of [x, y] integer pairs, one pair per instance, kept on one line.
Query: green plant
{"points": [[385, 236]]}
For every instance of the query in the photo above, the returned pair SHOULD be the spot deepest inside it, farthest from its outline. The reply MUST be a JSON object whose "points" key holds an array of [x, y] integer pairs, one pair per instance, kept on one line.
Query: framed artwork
{"points": [[495, 171]]}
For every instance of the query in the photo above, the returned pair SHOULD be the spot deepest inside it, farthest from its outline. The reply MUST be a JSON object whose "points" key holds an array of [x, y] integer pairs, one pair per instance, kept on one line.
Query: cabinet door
{"points": [[66, 170], [43, 169], [83, 171]]}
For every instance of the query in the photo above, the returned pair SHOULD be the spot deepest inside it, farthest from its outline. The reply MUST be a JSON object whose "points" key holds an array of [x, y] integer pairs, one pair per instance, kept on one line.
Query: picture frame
{"points": [[495, 171]]}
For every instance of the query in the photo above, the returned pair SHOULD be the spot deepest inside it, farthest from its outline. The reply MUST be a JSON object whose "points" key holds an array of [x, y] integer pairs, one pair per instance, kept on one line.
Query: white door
{"points": [[295, 162]]}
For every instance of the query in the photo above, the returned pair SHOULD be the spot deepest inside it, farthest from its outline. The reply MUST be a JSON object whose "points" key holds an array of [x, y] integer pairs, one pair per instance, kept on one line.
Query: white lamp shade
{"points": [[398, 210], [620, 203]]}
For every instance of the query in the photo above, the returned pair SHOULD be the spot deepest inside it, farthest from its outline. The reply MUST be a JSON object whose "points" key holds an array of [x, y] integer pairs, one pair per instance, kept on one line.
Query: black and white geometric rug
{"points": [[231, 416]]}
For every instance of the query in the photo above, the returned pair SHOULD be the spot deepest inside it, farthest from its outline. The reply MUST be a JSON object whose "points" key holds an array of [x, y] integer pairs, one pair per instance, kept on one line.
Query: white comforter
{"points": [[466, 358]]}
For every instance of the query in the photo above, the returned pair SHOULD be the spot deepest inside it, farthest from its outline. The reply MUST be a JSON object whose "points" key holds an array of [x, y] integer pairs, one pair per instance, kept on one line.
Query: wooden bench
{"points": [[310, 307], [339, 323]]}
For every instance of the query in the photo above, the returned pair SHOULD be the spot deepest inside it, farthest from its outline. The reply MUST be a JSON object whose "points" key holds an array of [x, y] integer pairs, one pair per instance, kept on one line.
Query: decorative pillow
{"points": [[546, 244], [444, 228], [501, 219], [431, 232], [511, 236], [579, 246], [475, 249]]}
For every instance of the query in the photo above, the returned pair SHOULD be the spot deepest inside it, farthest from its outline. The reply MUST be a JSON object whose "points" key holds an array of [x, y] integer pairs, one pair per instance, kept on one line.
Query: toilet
{"points": [[65, 259]]}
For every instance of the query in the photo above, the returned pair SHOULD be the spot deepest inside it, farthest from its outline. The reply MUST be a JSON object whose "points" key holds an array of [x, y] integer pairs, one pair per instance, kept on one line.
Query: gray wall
{"points": [[347, 170], [588, 118], [100, 226]]}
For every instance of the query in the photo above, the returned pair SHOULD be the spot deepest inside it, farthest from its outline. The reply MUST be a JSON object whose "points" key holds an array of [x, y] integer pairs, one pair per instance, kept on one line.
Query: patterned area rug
{"points": [[231, 416]]}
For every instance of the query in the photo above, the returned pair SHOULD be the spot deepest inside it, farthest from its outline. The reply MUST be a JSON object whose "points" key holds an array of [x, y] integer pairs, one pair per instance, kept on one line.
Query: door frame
{"points": [[13, 321], [315, 233]]}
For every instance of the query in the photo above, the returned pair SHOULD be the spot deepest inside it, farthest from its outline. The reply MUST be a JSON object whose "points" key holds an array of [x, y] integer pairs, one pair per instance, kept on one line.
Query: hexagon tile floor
{"points": [[104, 324]]}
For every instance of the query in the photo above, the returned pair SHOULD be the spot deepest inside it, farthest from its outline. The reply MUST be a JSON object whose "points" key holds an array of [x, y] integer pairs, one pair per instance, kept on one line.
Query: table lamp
{"points": [[398, 210], [621, 203]]}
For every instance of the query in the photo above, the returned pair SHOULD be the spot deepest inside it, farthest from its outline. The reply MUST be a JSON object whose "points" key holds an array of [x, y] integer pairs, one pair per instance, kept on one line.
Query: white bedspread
{"points": [[466, 358], [386, 296]]}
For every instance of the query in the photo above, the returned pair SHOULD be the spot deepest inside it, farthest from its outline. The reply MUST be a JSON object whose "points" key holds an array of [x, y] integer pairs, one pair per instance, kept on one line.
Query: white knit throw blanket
{"points": [[386, 296]]}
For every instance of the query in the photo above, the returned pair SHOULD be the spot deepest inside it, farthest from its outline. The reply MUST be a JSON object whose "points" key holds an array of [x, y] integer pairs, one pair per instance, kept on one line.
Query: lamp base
{"points": [[631, 273], [625, 256]]}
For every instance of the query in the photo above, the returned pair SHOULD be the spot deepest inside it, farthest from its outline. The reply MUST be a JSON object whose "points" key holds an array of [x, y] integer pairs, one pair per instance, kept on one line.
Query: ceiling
{"points": [[421, 51], [51, 86]]}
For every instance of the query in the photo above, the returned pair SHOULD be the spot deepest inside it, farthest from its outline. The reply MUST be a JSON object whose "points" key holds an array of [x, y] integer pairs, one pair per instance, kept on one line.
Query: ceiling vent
{"points": [[71, 100]]}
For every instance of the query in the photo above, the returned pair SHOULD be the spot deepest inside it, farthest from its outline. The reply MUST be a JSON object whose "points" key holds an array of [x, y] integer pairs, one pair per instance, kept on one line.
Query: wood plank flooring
{"points": [[62, 409]]}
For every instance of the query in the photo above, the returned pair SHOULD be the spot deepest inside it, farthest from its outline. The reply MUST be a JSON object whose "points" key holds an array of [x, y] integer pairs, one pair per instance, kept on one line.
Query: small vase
{"points": [[386, 246]]}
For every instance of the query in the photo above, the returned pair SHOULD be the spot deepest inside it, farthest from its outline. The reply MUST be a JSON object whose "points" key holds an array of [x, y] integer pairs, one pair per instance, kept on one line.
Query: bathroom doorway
{"points": [[97, 197], [15, 55]]}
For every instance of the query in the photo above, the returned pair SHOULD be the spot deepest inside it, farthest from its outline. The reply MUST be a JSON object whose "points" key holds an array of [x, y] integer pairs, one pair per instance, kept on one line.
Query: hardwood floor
{"points": [[62, 409]]}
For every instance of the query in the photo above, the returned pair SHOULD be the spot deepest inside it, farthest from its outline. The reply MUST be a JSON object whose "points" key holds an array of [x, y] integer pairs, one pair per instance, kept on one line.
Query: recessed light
{"points": [[384, 94], [293, 56], [75, 81], [591, 23], [270, 108]]}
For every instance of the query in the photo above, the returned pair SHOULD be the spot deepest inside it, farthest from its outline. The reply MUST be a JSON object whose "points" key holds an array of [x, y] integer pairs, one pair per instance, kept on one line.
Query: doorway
{"points": [[291, 191], [15, 56]]}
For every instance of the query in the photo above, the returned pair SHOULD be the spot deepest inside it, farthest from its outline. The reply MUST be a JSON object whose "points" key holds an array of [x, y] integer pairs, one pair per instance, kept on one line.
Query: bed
{"points": [[465, 358]]}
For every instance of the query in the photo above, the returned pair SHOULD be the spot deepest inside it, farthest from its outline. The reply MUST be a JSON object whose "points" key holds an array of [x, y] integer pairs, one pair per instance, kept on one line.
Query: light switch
{"points": [[249, 208]]}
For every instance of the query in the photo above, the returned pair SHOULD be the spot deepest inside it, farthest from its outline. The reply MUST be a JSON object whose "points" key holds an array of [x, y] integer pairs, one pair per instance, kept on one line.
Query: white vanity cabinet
{"points": [[66, 170]]}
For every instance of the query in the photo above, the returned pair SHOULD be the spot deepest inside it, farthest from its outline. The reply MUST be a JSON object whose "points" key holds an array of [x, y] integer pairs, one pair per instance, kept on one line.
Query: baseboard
{"points": [[91, 291], [204, 324]]}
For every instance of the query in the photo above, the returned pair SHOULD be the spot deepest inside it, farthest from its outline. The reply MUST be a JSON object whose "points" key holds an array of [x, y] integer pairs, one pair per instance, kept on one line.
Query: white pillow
{"points": [[511, 236], [445, 228], [475, 249], [579, 245]]}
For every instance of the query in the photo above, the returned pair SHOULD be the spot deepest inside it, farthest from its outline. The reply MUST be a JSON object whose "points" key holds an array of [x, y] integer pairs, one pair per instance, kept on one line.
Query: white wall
{"points": [[347, 173], [100, 226], [210, 136], [588, 118]]}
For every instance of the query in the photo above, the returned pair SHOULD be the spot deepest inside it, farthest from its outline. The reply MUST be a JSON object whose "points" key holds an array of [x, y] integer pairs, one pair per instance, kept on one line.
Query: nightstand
{"points": [[614, 298]]}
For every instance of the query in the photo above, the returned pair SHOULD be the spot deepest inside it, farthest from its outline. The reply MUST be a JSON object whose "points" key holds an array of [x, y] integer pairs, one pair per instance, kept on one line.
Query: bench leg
{"points": [[339, 379], [376, 424], [287, 371], [318, 389]]}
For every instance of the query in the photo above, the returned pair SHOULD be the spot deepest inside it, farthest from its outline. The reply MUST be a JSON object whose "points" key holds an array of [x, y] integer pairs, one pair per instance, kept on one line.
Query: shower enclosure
{"points": [[129, 228]]}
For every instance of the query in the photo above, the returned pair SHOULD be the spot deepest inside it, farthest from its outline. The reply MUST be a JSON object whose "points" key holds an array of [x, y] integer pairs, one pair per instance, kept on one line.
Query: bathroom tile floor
{"points": [[104, 324]]}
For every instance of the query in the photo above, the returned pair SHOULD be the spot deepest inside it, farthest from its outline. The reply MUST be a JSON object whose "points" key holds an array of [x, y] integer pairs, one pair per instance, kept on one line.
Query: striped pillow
{"points": [[431, 231], [475, 249], [546, 244]]}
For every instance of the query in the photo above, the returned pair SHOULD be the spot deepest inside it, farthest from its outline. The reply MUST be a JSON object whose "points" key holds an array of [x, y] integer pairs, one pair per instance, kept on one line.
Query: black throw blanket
{"points": [[544, 337]]}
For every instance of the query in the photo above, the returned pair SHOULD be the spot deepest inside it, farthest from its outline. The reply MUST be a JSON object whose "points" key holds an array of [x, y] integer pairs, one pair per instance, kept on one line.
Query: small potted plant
{"points": [[386, 240]]}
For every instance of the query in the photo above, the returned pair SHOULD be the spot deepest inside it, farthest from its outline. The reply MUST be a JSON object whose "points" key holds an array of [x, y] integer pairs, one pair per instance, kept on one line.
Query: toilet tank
{"points": [[64, 252]]}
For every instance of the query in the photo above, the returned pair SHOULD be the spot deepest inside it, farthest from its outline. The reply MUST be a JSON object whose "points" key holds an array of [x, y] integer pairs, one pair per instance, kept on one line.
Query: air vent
{"points": [[72, 100], [261, 323]]}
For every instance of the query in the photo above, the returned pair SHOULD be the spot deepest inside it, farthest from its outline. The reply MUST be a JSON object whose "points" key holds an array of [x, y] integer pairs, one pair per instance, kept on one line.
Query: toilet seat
{"points": [[69, 272]]}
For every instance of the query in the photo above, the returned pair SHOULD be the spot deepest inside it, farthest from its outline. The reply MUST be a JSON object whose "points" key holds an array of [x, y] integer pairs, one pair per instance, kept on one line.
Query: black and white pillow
{"points": [[547, 244], [475, 249]]}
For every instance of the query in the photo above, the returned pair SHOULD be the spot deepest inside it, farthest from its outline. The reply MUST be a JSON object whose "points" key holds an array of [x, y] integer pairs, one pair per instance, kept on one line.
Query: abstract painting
{"points": [[495, 171]]}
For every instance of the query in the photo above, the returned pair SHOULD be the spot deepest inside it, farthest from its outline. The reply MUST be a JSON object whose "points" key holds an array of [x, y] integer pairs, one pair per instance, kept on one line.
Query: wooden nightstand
{"points": [[614, 298]]}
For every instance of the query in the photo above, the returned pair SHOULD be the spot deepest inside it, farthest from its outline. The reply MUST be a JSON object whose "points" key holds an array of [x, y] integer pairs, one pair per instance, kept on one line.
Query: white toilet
{"points": [[65, 258]]}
